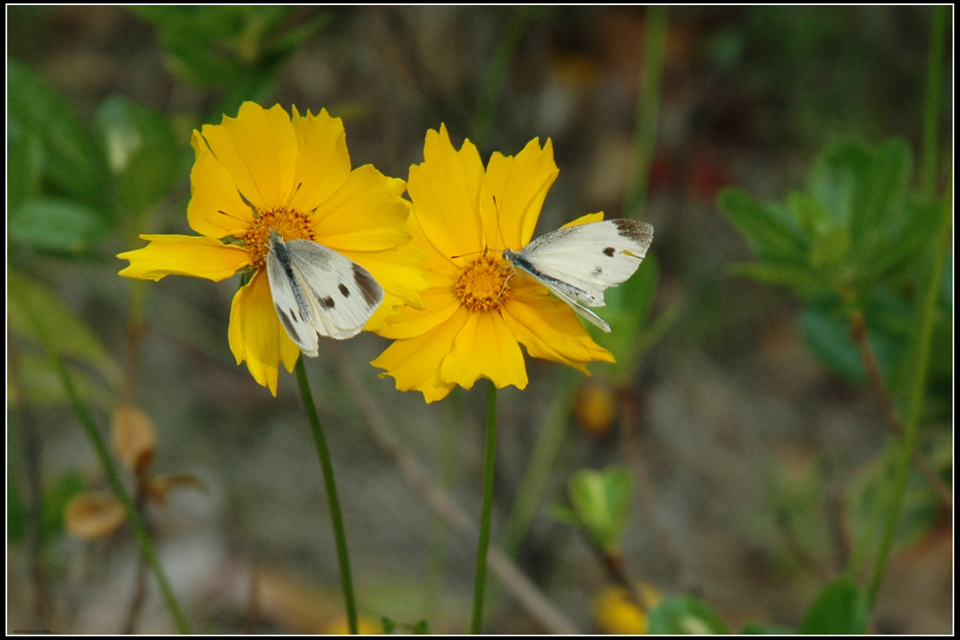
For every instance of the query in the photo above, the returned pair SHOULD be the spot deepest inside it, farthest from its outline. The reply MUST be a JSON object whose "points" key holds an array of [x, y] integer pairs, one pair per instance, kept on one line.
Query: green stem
{"points": [[326, 465], [931, 110], [912, 427], [648, 111], [113, 475], [490, 455]]}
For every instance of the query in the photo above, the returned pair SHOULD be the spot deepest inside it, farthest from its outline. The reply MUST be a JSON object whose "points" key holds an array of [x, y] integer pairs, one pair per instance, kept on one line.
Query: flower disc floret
{"points": [[483, 285]]}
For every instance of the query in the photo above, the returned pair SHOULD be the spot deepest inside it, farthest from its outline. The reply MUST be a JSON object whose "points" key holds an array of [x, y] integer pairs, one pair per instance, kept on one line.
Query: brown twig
{"points": [[617, 571], [415, 473], [858, 330]]}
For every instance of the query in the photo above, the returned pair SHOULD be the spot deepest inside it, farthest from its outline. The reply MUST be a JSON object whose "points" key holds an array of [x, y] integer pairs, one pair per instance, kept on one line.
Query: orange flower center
{"points": [[482, 285], [292, 225]]}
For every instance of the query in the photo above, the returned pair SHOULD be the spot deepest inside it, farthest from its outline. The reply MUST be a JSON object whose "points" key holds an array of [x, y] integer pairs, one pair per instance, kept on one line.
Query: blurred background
{"points": [[750, 439]]}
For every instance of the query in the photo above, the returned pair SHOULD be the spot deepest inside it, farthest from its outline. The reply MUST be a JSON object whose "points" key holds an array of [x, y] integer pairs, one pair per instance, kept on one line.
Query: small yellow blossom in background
{"points": [[615, 613], [263, 170], [476, 314], [339, 627]]}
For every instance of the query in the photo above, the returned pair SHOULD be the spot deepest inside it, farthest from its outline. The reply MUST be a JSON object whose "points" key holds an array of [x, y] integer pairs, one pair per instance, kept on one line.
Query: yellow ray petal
{"points": [[445, 191], [324, 162], [415, 364], [169, 255], [549, 329], [365, 214], [216, 209], [259, 149], [519, 185], [396, 271], [590, 217], [485, 347], [439, 305], [256, 335]]}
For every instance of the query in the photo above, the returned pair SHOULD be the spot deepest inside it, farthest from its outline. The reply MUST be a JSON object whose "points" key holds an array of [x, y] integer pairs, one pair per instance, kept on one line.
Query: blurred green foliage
{"points": [[238, 49], [685, 615], [841, 608], [599, 505], [855, 242]]}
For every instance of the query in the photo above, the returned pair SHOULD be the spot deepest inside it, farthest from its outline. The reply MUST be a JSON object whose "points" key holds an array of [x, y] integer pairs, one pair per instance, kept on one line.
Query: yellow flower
{"points": [[262, 170], [477, 310], [616, 613]]}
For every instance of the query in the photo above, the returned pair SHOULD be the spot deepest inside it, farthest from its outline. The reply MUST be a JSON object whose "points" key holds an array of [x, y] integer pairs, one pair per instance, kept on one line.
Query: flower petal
{"points": [[519, 185], [587, 219], [550, 329], [256, 335], [365, 214], [415, 364], [324, 162], [175, 255], [445, 189], [259, 150], [216, 209], [485, 347], [439, 303]]}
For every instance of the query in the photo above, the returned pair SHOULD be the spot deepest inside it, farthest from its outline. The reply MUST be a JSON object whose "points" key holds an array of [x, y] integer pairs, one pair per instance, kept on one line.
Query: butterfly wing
{"points": [[289, 298], [342, 294], [584, 260], [319, 291]]}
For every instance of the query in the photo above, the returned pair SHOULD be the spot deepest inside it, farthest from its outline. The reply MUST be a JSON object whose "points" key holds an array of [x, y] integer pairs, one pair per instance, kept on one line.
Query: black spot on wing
{"points": [[635, 230], [368, 286], [597, 271], [326, 303], [344, 290], [609, 251], [285, 320]]}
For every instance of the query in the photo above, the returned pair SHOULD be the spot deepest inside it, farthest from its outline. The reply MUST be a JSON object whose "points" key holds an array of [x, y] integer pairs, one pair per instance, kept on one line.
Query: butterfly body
{"points": [[578, 263], [317, 291]]}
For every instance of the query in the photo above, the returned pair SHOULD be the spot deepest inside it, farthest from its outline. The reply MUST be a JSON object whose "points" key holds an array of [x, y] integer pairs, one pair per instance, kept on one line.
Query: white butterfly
{"points": [[578, 263], [318, 291]]}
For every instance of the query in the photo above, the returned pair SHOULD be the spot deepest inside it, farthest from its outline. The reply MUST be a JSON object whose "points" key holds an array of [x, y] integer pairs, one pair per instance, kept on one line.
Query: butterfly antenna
{"points": [[496, 210]]}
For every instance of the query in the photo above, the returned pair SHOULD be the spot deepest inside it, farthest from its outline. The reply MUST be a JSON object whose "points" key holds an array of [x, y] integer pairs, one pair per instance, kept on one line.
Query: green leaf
{"points": [[836, 177], [141, 152], [68, 334], [291, 41], [600, 500], [390, 627], [772, 235], [813, 217], [71, 162], [828, 337], [685, 615], [24, 165], [216, 45], [880, 189], [57, 225], [840, 609]]}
